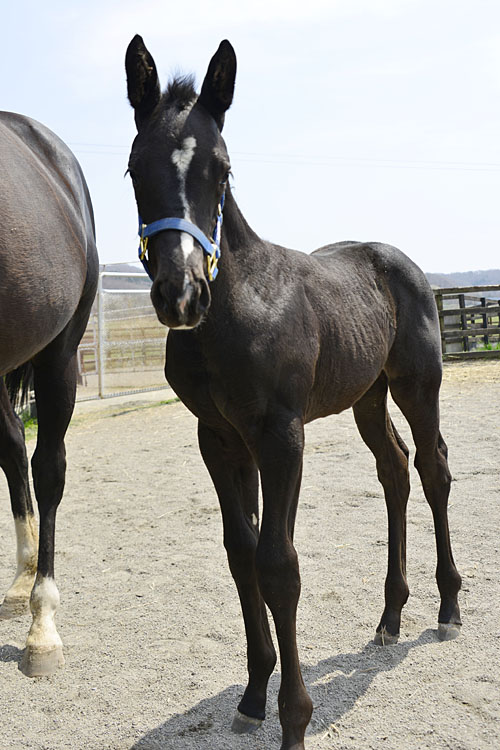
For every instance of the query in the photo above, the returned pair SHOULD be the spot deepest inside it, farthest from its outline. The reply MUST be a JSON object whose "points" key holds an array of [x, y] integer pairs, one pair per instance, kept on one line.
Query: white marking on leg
{"points": [[44, 601], [255, 520], [182, 158], [16, 598]]}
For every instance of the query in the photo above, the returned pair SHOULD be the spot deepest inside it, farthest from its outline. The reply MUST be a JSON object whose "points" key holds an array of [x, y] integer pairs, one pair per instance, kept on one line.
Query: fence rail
{"points": [[469, 319]]}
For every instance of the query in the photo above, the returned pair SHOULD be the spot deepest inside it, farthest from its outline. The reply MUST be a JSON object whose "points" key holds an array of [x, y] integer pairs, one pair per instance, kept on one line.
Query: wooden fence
{"points": [[469, 318]]}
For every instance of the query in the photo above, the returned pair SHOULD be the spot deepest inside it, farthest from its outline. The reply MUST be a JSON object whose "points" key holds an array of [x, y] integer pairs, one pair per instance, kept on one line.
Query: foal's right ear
{"points": [[143, 85]]}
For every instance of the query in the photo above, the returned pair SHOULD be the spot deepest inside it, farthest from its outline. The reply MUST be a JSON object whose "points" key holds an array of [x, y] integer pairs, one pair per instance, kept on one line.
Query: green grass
{"points": [[30, 426], [489, 347]]}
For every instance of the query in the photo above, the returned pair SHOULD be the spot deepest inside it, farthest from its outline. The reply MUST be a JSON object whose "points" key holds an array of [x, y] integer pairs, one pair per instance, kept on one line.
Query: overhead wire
{"points": [[316, 160]]}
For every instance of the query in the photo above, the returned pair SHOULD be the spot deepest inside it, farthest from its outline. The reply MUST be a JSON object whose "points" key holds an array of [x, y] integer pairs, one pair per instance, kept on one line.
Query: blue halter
{"points": [[210, 247]]}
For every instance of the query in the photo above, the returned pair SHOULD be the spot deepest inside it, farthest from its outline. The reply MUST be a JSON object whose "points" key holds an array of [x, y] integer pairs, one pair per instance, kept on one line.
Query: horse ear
{"points": [[218, 87], [143, 86]]}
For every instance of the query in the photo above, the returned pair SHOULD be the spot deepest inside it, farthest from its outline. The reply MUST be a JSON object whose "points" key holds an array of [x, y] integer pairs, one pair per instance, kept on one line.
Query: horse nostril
{"points": [[160, 296], [204, 301]]}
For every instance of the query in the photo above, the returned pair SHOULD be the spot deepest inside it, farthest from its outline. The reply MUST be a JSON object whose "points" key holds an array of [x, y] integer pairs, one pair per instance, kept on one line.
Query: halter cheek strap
{"points": [[211, 247]]}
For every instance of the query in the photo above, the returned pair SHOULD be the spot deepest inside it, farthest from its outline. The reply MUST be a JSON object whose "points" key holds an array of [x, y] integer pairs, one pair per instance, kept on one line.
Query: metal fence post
{"points": [[100, 328]]}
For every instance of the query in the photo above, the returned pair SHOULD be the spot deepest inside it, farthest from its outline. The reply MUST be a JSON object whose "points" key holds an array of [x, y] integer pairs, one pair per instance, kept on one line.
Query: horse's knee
{"points": [[49, 472], [240, 550], [278, 572], [394, 469], [434, 471]]}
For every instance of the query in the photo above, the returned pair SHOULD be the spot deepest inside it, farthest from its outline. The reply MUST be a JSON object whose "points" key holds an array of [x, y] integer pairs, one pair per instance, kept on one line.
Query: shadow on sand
{"points": [[334, 684], [10, 653]]}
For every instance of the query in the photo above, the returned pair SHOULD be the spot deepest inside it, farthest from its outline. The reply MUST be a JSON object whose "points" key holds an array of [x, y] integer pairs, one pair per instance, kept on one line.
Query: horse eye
{"points": [[225, 178]]}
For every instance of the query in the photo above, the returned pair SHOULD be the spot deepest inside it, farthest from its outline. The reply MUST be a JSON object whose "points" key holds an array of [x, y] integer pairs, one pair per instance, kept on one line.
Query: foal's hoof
{"points": [[243, 724], [384, 638], [448, 631], [14, 607], [39, 663]]}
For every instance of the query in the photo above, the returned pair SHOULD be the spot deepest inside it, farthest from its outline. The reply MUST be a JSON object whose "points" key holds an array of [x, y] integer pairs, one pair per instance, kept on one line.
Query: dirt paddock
{"points": [[150, 620]]}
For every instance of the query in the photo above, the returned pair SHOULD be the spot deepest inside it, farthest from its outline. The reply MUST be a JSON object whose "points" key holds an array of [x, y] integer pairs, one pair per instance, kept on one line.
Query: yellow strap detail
{"points": [[212, 264], [144, 246]]}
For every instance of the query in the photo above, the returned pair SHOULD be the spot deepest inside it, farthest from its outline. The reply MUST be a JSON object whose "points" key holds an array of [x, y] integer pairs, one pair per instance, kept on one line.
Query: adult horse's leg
{"points": [[235, 478], [417, 397], [280, 453], [391, 454], [14, 462], [55, 390]]}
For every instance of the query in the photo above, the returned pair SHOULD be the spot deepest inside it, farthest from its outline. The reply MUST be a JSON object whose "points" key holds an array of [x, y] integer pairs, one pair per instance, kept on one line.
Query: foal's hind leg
{"points": [[417, 397], [14, 462], [391, 454], [235, 478]]}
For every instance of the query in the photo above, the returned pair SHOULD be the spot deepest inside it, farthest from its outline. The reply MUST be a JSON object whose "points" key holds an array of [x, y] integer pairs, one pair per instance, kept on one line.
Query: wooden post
{"points": [[463, 320], [485, 321]]}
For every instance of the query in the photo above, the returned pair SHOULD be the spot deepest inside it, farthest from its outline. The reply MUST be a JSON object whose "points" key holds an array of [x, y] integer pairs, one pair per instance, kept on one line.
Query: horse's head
{"points": [[179, 168]]}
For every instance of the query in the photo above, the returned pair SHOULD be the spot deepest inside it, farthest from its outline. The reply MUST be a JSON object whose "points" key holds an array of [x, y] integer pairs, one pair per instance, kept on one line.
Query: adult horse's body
{"points": [[280, 338], [48, 278]]}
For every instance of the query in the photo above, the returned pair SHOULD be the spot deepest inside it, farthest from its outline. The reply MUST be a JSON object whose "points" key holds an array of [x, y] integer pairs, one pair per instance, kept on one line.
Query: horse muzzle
{"points": [[182, 307]]}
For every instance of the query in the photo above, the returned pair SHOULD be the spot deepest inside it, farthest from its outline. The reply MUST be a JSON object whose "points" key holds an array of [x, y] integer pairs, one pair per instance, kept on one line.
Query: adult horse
{"points": [[278, 339], [48, 279]]}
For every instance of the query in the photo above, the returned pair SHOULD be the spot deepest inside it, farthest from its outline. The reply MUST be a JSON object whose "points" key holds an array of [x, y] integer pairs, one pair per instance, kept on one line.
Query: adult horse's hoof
{"points": [[243, 724], [448, 631], [14, 607], [41, 663], [384, 638]]}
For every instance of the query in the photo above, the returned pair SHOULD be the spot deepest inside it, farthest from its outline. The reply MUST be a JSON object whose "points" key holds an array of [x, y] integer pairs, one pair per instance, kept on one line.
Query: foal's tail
{"points": [[19, 383]]}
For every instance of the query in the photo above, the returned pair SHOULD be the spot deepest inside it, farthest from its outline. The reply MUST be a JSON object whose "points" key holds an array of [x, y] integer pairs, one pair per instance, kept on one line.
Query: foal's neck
{"points": [[239, 237]]}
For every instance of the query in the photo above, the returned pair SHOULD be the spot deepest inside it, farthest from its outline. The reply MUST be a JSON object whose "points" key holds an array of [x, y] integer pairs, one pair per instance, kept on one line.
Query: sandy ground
{"points": [[154, 643]]}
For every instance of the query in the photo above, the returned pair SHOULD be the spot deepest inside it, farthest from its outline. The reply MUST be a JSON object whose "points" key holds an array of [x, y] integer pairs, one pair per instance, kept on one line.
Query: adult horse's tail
{"points": [[19, 383]]}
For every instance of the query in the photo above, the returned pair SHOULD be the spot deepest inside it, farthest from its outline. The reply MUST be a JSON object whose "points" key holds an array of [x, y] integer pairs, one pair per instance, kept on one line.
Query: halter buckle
{"points": [[212, 261], [143, 241]]}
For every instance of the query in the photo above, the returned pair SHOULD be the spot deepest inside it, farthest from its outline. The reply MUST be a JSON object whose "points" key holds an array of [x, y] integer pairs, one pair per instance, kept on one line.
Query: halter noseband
{"points": [[211, 247]]}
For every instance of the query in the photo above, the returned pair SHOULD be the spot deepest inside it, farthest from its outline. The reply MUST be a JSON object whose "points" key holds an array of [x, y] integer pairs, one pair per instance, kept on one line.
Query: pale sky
{"points": [[352, 119]]}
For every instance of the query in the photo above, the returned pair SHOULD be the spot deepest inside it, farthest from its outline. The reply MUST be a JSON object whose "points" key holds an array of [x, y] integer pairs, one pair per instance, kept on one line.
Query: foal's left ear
{"points": [[143, 86], [218, 87]]}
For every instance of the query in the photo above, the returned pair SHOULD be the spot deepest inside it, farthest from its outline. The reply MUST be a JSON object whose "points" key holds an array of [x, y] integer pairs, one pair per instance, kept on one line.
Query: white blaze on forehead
{"points": [[182, 158]]}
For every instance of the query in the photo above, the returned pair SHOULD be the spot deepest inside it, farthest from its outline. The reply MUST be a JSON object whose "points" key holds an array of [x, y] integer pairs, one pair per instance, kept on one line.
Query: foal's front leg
{"points": [[235, 478], [280, 463]]}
